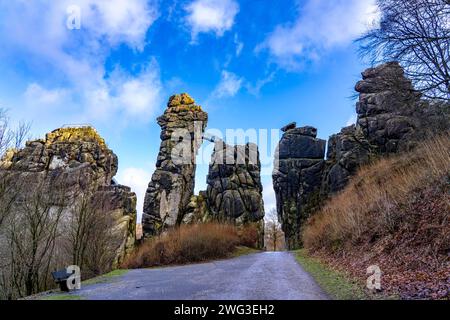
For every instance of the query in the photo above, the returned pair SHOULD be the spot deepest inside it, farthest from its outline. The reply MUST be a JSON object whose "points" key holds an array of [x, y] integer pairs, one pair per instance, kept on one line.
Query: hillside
{"points": [[394, 213]]}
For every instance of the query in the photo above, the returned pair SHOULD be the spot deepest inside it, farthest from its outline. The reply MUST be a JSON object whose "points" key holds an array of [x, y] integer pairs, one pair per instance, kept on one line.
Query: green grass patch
{"points": [[62, 297], [336, 284], [105, 277]]}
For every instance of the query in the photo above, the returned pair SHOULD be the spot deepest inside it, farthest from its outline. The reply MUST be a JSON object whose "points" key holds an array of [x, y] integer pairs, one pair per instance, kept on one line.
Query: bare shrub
{"points": [[368, 205], [184, 244], [89, 239], [249, 235]]}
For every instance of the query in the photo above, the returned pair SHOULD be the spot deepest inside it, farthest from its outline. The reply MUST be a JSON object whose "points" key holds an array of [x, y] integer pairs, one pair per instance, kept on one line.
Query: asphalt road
{"points": [[261, 276]]}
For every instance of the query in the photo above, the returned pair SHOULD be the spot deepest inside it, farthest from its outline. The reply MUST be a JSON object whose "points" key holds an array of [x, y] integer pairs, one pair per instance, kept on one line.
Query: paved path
{"points": [[260, 276]]}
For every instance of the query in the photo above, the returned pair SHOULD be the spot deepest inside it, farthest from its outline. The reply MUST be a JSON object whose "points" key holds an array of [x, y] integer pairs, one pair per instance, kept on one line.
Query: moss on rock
{"points": [[74, 134]]}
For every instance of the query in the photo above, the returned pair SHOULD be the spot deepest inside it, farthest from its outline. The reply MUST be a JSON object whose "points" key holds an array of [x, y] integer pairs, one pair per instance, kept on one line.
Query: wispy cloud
{"points": [[239, 45], [36, 94], [229, 85], [255, 88], [321, 25], [211, 16]]}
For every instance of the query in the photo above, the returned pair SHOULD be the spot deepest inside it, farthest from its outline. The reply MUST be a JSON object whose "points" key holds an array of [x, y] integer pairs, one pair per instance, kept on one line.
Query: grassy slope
{"points": [[394, 214], [336, 284]]}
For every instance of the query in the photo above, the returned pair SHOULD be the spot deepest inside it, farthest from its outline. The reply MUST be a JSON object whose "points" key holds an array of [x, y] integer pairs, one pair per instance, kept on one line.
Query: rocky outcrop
{"points": [[234, 191], [347, 150], [299, 162], [81, 163], [391, 117], [391, 114], [172, 186]]}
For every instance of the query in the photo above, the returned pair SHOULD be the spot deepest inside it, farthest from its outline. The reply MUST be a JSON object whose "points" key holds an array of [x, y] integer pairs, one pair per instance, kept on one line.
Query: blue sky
{"points": [[249, 63]]}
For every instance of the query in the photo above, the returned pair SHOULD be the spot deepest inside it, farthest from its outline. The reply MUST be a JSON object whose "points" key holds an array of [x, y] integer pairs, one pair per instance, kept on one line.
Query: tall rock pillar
{"points": [[234, 190], [298, 167], [172, 185]]}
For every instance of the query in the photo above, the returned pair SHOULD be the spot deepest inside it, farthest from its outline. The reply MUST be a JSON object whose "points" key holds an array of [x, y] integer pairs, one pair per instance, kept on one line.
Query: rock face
{"points": [[234, 191], [80, 157], [392, 114], [172, 186], [347, 150], [297, 179], [391, 117]]}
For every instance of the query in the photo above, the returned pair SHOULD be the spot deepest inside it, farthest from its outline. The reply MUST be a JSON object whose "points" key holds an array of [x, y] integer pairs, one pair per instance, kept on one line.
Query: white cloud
{"points": [[229, 85], [216, 16], [321, 26], [74, 60], [351, 120], [35, 94], [137, 179], [140, 95], [122, 95], [118, 20]]}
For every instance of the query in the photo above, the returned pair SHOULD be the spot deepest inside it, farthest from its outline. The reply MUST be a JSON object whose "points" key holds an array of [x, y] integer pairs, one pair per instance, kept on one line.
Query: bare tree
{"points": [[9, 192], [92, 243], [11, 137], [273, 233], [31, 233], [415, 33]]}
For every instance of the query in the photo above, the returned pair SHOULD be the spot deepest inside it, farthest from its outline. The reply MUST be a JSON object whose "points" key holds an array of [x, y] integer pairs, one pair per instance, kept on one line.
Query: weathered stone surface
{"points": [[392, 117], [297, 179], [234, 191], [347, 150], [171, 188], [295, 144], [80, 159], [289, 126]]}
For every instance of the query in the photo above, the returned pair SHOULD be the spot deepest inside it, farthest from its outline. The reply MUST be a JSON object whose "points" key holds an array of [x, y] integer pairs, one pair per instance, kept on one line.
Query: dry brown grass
{"points": [[369, 205], [186, 244], [248, 235]]}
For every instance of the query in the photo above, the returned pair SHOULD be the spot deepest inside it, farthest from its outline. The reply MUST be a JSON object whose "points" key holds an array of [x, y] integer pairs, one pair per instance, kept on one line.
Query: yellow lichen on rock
{"points": [[186, 99], [6, 160], [73, 134], [182, 102], [174, 100]]}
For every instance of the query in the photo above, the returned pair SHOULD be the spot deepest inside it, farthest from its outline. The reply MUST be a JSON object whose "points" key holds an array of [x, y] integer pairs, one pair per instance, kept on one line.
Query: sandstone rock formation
{"points": [[78, 158], [297, 178], [172, 186], [391, 117], [234, 191], [347, 150]]}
